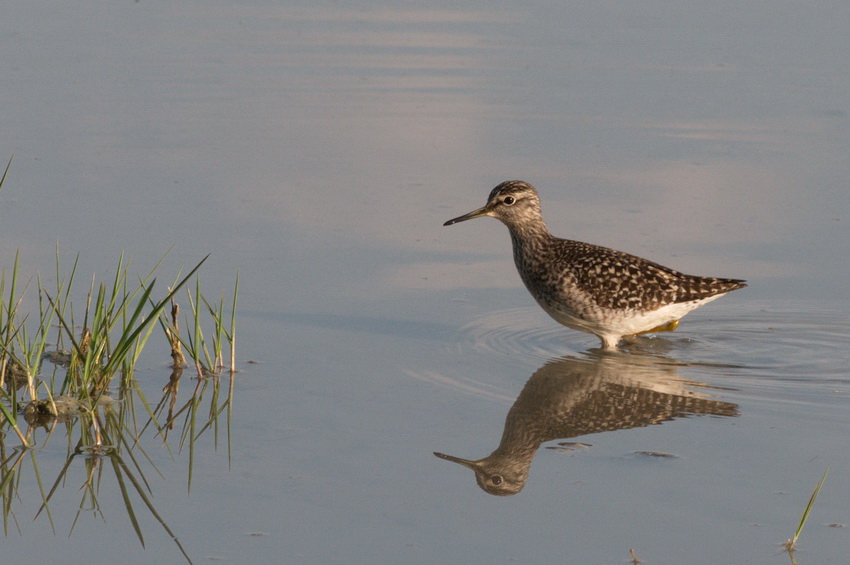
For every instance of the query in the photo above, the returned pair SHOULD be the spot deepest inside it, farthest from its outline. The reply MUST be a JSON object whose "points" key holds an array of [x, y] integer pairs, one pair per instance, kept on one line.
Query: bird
{"points": [[591, 288]]}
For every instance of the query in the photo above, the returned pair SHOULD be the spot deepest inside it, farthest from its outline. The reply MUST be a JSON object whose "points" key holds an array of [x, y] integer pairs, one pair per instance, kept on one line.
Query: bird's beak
{"points": [[483, 211], [465, 462]]}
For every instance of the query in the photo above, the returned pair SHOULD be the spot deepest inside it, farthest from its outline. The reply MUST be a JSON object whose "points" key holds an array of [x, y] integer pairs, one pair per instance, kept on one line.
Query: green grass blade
{"points": [[13, 422], [232, 336], [6, 172], [793, 541], [126, 340]]}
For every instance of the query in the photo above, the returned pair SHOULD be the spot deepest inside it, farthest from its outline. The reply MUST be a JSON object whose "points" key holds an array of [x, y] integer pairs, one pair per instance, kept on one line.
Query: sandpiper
{"points": [[590, 288]]}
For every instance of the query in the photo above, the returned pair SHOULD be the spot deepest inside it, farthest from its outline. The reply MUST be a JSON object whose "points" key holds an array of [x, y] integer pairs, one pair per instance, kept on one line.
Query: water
{"points": [[317, 148]]}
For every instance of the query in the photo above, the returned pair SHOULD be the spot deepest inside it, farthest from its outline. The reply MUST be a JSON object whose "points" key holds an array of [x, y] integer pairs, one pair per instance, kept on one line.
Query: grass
{"points": [[791, 543], [91, 396], [67, 370]]}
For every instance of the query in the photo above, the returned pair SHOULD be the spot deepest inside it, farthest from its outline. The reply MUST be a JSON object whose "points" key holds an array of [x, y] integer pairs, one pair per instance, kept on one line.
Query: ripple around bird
{"points": [[522, 331], [775, 343], [530, 333]]}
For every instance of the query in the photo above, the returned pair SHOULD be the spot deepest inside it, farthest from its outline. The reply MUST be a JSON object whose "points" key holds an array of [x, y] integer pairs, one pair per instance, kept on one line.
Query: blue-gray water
{"points": [[317, 148]]}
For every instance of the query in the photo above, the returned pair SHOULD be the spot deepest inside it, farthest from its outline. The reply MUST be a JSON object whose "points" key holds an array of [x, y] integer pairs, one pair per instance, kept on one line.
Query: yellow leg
{"points": [[668, 327]]}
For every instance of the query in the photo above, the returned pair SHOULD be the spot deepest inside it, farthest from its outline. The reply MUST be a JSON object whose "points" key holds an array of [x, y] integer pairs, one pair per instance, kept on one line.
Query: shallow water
{"points": [[317, 148]]}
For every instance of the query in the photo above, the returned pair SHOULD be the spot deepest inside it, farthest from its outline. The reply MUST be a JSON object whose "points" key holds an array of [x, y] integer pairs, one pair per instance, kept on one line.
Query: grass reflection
{"points": [[107, 442]]}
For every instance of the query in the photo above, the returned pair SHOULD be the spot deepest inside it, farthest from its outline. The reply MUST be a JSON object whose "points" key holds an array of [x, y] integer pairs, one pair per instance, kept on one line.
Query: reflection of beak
{"points": [[483, 211], [465, 462]]}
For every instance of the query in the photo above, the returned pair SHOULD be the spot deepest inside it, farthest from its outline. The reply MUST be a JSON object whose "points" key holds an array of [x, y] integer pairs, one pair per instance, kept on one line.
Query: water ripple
{"points": [[787, 340], [523, 331]]}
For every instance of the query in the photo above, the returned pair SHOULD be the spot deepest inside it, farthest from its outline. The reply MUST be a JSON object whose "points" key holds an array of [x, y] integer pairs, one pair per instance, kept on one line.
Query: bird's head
{"points": [[514, 202]]}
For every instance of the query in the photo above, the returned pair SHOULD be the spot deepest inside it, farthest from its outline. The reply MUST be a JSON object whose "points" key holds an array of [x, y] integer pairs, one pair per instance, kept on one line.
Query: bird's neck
{"points": [[529, 225], [529, 238]]}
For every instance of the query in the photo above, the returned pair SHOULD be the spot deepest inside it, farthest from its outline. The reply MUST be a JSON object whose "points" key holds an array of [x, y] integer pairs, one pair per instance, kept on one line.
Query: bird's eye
{"points": [[496, 479], [509, 200]]}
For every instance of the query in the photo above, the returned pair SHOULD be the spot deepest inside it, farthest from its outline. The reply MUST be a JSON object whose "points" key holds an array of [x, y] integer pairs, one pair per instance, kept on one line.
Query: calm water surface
{"points": [[318, 147]]}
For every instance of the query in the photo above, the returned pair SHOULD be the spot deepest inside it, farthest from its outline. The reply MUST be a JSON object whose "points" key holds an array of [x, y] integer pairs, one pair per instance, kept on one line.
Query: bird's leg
{"points": [[668, 327]]}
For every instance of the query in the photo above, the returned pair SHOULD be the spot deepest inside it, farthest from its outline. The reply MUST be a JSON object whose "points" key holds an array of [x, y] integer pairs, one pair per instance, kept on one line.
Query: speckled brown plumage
{"points": [[591, 288]]}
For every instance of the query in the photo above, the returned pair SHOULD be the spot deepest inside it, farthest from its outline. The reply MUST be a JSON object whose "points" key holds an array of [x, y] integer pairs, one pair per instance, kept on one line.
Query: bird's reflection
{"points": [[572, 397]]}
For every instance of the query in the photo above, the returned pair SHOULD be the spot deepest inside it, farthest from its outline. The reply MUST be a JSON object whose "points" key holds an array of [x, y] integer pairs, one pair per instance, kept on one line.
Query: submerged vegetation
{"points": [[70, 371]]}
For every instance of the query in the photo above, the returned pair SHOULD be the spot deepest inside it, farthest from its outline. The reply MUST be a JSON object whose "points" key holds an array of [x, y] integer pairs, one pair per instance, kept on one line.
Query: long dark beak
{"points": [[465, 462], [483, 211]]}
